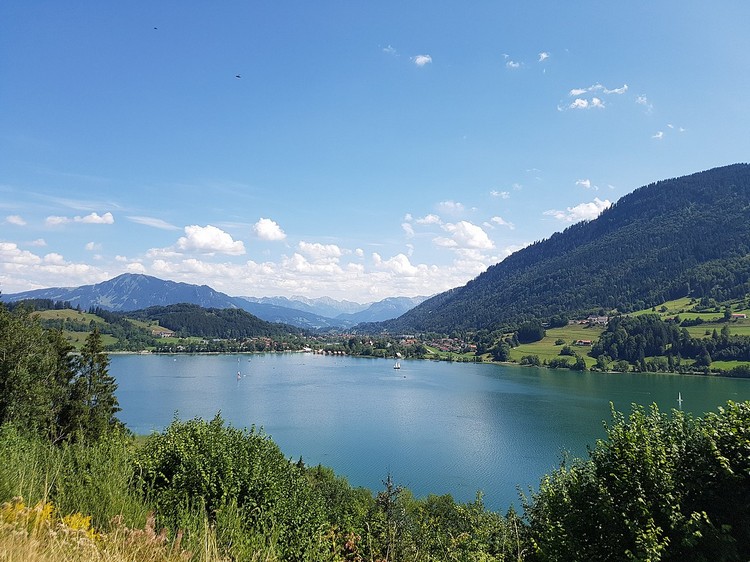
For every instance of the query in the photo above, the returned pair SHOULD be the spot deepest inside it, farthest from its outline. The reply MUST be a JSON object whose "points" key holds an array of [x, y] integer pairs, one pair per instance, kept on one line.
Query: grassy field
{"points": [[546, 349]]}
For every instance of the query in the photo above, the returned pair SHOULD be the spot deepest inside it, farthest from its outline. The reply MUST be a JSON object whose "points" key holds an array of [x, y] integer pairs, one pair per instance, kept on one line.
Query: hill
{"points": [[687, 236]]}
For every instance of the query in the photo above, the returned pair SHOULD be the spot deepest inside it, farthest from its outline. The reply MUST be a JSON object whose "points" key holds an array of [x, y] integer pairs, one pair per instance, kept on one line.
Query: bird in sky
{"points": [[237, 76]]}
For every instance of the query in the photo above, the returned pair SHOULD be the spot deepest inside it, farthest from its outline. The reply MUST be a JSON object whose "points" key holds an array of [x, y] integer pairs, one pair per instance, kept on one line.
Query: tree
{"points": [[93, 404], [531, 331]]}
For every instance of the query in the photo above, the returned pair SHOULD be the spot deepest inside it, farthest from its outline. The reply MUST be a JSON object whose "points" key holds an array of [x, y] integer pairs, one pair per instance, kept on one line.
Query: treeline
{"points": [[635, 338], [679, 237]]}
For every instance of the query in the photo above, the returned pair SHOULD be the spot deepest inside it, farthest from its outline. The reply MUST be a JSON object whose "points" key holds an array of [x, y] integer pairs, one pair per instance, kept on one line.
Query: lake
{"points": [[437, 427]]}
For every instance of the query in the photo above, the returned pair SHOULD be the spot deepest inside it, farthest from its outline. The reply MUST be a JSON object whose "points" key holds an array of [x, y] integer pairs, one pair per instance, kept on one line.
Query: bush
{"points": [[235, 477], [657, 488]]}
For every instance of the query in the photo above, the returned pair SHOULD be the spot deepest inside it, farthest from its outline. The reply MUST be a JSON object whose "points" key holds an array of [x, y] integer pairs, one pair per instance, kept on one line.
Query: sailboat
{"points": [[397, 365], [679, 400]]}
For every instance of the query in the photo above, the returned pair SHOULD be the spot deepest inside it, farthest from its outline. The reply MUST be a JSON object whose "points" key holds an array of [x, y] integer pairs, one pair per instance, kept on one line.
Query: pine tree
{"points": [[93, 404]]}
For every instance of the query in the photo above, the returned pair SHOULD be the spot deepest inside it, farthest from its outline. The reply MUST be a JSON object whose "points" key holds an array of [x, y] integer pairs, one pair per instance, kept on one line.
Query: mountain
{"points": [[132, 292], [386, 309], [293, 316], [322, 306], [688, 236]]}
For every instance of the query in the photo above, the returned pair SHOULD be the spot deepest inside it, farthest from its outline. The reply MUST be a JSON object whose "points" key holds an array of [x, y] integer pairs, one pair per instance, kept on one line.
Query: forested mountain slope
{"points": [[677, 237]]}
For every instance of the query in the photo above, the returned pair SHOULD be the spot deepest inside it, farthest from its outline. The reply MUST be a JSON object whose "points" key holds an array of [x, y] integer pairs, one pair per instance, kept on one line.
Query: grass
{"points": [[546, 348]]}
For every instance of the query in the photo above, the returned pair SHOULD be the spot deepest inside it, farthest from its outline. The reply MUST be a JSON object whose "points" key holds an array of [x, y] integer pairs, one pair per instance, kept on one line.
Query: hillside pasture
{"points": [[546, 348]]}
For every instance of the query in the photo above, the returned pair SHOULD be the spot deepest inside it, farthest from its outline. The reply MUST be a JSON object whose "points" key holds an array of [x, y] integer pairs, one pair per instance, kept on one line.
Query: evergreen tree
{"points": [[93, 404]]}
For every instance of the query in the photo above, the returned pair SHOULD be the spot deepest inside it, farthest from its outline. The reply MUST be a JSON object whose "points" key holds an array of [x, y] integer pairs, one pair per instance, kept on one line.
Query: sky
{"points": [[349, 149]]}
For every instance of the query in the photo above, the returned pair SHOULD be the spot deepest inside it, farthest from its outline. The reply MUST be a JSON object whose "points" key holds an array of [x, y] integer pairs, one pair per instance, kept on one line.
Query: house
{"points": [[583, 342], [739, 315]]}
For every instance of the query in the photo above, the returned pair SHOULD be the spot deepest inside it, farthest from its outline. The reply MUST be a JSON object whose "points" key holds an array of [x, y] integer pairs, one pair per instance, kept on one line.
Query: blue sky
{"points": [[349, 149]]}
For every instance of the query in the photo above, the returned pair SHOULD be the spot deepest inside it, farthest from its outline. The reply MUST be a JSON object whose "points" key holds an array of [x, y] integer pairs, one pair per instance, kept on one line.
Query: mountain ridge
{"points": [[675, 237], [130, 291]]}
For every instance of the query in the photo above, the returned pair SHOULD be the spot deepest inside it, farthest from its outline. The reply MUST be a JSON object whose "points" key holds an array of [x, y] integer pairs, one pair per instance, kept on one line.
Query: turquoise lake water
{"points": [[437, 427]]}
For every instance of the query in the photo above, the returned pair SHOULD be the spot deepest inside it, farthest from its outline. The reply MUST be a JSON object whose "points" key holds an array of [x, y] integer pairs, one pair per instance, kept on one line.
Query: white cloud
{"points": [[136, 267], [10, 253], [56, 220], [465, 235], [54, 258], [399, 264], [429, 219], [266, 229], [577, 92], [92, 246], [583, 211], [15, 220], [543, 56], [40, 242], [500, 194], [421, 60], [209, 240], [451, 207], [359, 252], [408, 229], [502, 222], [390, 50], [94, 218], [586, 184], [643, 100], [658, 136], [153, 222], [512, 64], [320, 252], [618, 91]]}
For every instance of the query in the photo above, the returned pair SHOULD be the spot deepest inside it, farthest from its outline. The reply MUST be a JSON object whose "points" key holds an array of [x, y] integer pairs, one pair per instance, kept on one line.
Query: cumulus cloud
{"points": [[266, 229], [209, 240], [38, 242], [399, 264], [92, 246], [15, 220], [583, 211], [320, 252], [94, 218], [421, 60], [56, 220], [408, 229], [582, 103], [10, 253], [451, 207], [153, 222], [512, 64], [390, 51], [659, 135], [543, 56], [429, 219], [464, 234], [500, 194]]}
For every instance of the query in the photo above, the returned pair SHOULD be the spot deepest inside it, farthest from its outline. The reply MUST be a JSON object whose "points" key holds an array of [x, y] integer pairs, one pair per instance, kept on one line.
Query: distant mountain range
{"points": [[688, 236], [130, 292]]}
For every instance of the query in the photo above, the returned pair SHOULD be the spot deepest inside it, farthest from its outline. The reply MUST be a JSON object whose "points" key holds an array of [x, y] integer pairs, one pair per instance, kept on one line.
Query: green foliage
{"points": [[530, 331], [657, 488], [232, 474]]}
